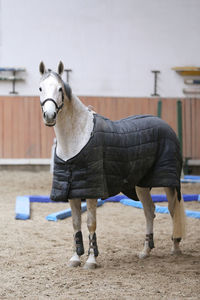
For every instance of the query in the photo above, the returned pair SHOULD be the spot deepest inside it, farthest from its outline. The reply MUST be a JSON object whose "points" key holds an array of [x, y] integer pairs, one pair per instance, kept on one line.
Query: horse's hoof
{"points": [[74, 263], [90, 266], [143, 255], [176, 252]]}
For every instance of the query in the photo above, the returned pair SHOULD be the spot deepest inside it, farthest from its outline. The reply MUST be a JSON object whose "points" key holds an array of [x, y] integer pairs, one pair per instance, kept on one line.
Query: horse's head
{"points": [[53, 93]]}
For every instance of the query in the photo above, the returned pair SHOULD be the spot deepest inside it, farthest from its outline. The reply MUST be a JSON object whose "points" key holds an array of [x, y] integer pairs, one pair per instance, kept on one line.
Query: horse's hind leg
{"points": [[91, 223], [176, 209], [78, 240], [149, 208]]}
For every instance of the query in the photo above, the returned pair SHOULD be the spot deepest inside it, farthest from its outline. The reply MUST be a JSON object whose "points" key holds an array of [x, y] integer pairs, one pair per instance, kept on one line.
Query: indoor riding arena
{"points": [[121, 58], [35, 252]]}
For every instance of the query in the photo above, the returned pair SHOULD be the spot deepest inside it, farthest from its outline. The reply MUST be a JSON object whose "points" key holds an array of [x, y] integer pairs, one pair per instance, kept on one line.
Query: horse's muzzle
{"points": [[49, 118]]}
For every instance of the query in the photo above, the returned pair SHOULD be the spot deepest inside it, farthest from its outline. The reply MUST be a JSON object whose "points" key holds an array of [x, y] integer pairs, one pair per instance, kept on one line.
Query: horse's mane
{"points": [[49, 73]]}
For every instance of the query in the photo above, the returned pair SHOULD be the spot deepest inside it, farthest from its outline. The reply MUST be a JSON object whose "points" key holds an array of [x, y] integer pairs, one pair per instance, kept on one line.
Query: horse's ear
{"points": [[60, 68], [42, 68]]}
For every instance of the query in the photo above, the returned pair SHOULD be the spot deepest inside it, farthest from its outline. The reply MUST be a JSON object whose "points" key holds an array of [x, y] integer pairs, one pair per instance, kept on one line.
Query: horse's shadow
{"points": [[155, 260]]}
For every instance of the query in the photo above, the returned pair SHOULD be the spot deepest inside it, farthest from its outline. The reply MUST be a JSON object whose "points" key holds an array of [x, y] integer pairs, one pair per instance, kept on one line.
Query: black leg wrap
{"points": [[93, 245], [176, 239], [149, 239], [78, 238]]}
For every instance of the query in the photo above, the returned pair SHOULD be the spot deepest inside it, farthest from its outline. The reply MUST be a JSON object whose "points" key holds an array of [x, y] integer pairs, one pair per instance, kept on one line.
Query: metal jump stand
{"points": [[68, 71], [156, 72], [13, 78]]}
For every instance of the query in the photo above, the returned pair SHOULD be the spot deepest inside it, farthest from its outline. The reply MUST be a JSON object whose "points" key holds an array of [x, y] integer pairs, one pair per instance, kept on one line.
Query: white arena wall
{"points": [[111, 45]]}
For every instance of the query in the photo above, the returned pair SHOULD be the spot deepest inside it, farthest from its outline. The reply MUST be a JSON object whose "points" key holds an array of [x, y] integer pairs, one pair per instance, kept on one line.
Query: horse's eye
{"points": [[60, 89], [40, 89]]}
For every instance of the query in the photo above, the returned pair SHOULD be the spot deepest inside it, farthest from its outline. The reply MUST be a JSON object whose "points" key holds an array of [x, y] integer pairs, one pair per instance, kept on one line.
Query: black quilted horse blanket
{"points": [[140, 151]]}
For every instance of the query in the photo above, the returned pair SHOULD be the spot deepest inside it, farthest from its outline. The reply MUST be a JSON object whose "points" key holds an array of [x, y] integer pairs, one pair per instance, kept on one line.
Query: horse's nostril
{"points": [[49, 117]]}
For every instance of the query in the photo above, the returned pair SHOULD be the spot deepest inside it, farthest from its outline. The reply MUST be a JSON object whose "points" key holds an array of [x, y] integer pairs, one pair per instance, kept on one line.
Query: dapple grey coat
{"points": [[140, 150]]}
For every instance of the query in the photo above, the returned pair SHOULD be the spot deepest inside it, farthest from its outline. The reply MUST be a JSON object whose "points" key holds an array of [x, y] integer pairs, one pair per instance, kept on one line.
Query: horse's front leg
{"points": [[149, 208], [91, 223], [78, 240]]}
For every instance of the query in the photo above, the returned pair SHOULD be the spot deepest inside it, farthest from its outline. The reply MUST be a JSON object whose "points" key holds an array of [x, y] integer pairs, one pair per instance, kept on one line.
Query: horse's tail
{"points": [[179, 219]]}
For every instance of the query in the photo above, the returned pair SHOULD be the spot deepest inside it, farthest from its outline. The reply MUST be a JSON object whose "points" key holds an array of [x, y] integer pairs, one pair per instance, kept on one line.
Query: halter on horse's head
{"points": [[53, 93]]}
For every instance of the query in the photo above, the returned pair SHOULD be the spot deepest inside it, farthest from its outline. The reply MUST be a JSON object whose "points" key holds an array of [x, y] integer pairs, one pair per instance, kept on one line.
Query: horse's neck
{"points": [[73, 128]]}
